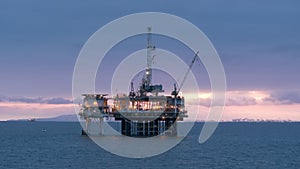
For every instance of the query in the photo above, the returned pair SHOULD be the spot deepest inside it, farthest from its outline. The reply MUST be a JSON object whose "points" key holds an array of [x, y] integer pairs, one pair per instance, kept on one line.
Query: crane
{"points": [[175, 92]]}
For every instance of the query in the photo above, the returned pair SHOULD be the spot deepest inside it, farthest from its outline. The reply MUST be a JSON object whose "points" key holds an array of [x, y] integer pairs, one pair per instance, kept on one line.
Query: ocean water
{"points": [[233, 145]]}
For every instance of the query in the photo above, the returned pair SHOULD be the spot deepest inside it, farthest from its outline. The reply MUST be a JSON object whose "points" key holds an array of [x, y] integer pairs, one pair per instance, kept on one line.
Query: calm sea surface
{"points": [[233, 145]]}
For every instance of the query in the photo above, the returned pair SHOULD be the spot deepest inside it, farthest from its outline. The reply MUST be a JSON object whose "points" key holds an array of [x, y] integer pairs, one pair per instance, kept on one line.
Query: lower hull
{"points": [[132, 128], [147, 128]]}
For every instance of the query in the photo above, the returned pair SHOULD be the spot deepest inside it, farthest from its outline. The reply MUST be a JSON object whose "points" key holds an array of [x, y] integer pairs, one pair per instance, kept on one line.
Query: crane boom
{"points": [[186, 74]]}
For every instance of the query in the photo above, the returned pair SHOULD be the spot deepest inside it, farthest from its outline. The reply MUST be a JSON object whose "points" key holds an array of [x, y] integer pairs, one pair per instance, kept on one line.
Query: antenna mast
{"points": [[150, 47], [147, 86]]}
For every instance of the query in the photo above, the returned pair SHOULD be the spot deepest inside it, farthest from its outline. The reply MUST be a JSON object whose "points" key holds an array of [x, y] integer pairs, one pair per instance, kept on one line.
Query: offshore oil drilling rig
{"points": [[142, 113]]}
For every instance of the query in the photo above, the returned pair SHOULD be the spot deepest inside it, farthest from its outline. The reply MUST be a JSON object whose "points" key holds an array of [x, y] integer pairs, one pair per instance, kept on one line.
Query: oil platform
{"points": [[142, 113]]}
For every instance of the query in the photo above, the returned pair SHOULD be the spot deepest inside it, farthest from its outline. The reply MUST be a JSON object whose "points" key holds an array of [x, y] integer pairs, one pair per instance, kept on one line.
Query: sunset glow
{"points": [[17, 110], [254, 105]]}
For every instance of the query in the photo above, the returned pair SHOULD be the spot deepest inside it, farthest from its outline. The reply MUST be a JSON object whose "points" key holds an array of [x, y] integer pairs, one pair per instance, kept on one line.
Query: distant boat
{"points": [[44, 130]]}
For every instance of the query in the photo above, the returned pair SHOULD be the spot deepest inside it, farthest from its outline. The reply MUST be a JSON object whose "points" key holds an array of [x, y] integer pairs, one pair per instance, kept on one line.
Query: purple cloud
{"points": [[240, 101], [230, 101], [287, 97], [56, 100]]}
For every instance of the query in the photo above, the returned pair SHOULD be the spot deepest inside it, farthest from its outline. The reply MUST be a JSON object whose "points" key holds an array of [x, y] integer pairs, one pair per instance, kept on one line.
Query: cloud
{"points": [[230, 101], [240, 98], [246, 98], [198, 102], [3, 98], [241, 101], [33, 110], [56, 100], [25, 100], [283, 97]]}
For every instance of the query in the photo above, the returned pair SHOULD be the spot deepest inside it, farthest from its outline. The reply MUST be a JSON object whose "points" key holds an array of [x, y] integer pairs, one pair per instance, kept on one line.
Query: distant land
{"points": [[73, 118], [62, 118]]}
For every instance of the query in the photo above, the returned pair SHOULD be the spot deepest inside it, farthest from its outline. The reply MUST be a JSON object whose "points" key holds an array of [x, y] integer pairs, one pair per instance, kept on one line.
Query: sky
{"points": [[257, 41]]}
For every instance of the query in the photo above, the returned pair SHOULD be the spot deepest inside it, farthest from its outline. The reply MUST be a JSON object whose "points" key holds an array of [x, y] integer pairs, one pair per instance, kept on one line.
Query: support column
{"points": [[144, 127]]}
